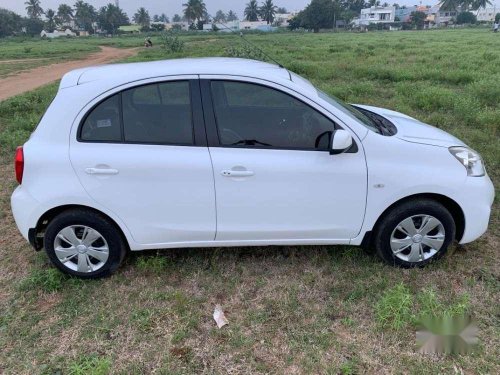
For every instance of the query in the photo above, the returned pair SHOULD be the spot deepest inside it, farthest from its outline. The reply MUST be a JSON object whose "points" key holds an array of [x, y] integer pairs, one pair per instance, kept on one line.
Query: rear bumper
{"points": [[24, 207], [477, 198]]}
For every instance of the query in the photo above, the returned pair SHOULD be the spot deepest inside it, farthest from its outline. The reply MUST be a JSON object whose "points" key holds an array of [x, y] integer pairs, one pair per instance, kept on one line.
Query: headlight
{"points": [[470, 159]]}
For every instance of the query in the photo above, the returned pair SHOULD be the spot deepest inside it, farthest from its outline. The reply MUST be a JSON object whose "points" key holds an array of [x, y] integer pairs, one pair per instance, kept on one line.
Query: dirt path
{"points": [[31, 79], [23, 60]]}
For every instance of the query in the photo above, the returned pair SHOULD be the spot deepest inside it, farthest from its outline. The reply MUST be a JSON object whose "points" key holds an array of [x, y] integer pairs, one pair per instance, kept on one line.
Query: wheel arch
{"points": [[49, 215], [452, 206]]}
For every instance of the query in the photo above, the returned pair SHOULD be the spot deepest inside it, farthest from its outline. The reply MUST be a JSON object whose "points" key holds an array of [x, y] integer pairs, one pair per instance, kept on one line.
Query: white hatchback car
{"points": [[231, 152]]}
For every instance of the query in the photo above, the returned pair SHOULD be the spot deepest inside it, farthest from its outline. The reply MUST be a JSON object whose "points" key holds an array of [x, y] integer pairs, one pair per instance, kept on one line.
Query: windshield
{"points": [[349, 110]]}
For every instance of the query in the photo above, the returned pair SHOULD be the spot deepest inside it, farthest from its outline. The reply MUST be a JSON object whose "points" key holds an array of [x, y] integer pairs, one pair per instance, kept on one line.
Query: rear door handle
{"points": [[231, 173], [101, 171]]}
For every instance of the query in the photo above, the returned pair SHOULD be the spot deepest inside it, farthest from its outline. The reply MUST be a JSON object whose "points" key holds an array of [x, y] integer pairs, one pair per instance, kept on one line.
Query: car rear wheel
{"points": [[414, 233], [84, 244]]}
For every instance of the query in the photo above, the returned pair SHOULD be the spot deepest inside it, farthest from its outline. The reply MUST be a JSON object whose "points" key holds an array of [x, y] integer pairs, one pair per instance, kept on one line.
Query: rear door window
{"points": [[158, 113]]}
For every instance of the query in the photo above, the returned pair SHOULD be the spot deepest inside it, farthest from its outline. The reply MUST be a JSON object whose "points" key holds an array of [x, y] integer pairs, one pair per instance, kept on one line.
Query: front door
{"points": [[274, 177], [140, 154]]}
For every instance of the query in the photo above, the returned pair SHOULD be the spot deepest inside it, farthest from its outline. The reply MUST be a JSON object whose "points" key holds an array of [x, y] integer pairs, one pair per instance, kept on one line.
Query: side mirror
{"points": [[341, 142]]}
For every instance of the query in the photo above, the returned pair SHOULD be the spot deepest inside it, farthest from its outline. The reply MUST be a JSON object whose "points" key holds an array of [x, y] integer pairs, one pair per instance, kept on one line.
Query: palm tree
{"points": [[64, 14], [267, 11], [33, 8], [110, 17], [455, 4], [231, 16], [50, 24], [478, 4], [220, 16], [252, 11], [85, 15], [176, 18], [141, 17], [194, 10], [164, 18]]}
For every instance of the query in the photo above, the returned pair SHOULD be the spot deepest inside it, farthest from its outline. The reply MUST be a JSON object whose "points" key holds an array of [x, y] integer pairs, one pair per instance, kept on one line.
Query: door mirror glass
{"points": [[341, 142]]}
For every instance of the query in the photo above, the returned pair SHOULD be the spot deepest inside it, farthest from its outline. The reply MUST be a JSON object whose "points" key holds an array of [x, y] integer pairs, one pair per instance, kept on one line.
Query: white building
{"points": [[224, 27], [56, 34], [282, 19], [445, 17], [177, 25], [252, 25], [376, 14], [486, 14]]}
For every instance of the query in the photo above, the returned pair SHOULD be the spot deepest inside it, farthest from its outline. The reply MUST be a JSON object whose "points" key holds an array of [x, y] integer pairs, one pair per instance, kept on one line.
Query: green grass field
{"points": [[291, 309]]}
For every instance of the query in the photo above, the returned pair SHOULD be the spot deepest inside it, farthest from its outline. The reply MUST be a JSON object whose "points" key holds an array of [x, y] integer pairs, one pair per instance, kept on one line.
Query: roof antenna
{"points": [[254, 46]]}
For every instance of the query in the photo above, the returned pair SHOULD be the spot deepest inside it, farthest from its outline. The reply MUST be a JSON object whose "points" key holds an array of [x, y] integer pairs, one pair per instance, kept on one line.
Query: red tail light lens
{"points": [[19, 164]]}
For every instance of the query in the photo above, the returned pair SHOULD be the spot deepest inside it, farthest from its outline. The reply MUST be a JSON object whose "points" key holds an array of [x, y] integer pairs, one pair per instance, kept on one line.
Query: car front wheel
{"points": [[414, 233], [84, 244]]}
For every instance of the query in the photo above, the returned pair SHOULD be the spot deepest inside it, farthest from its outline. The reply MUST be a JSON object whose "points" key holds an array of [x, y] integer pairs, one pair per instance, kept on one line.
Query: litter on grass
{"points": [[219, 317]]}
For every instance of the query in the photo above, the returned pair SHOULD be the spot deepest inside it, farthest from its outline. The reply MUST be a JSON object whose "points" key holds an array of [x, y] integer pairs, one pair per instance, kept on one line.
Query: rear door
{"points": [[274, 177], [142, 154]]}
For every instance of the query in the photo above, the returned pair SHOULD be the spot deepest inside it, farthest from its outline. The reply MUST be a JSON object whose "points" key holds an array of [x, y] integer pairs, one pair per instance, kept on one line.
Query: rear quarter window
{"points": [[103, 122]]}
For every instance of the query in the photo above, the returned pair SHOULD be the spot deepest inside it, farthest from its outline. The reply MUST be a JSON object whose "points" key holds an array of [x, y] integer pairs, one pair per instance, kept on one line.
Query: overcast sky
{"points": [[170, 7]]}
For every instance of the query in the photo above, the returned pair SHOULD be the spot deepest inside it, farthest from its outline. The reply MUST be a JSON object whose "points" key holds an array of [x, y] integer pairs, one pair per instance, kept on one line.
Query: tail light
{"points": [[19, 164]]}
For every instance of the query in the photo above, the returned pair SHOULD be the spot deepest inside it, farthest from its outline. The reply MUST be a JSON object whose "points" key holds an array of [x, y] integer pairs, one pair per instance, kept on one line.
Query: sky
{"points": [[170, 7]]}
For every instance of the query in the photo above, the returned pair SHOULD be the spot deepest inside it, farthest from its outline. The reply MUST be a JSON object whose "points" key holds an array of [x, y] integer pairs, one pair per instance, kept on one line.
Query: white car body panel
{"points": [[164, 193], [290, 194], [294, 197], [413, 130]]}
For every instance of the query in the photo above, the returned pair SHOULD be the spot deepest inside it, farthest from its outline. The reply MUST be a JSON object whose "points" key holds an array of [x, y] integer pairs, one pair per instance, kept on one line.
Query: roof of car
{"points": [[129, 72]]}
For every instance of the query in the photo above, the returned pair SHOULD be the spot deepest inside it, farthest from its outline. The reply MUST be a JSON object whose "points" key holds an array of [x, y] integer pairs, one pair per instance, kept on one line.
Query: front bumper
{"points": [[476, 200]]}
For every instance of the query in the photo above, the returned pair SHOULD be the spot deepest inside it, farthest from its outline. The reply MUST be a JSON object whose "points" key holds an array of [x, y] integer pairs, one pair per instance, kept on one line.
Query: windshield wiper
{"points": [[250, 142]]}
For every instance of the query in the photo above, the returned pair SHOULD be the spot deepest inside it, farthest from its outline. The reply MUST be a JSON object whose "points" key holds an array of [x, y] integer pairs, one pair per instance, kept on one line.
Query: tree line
{"points": [[85, 17], [319, 14], [81, 15], [195, 13]]}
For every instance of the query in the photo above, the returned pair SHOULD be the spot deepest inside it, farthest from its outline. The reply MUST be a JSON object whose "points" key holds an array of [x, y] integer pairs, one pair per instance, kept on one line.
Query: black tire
{"points": [[105, 227], [392, 218]]}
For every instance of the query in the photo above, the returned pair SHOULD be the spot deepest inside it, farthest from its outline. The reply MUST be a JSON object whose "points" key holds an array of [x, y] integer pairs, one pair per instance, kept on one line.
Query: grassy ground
{"points": [[291, 309], [19, 54]]}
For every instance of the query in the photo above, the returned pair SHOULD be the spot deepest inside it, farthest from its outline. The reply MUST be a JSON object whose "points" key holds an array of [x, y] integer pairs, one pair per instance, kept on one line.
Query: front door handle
{"points": [[101, 171], [232, 173]]}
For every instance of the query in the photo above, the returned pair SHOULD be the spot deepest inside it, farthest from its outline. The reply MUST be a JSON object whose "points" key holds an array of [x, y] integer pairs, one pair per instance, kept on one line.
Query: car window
{"points": [[103, 123], [251, 115], [158, 113], [351, 111]]}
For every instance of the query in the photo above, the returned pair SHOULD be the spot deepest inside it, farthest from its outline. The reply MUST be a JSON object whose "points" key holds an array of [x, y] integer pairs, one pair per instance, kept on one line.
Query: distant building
{"points": [[252, 25], [224, 27], [57, 34], [404, 14], [283, 19], [443, 17], [177, 25], [486, 14], [376, 14]]}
